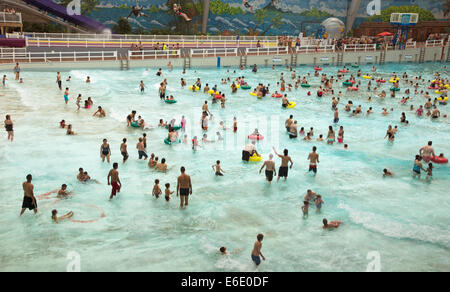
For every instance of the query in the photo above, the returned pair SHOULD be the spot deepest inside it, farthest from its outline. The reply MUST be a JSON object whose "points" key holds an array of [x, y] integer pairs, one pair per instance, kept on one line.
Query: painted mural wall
{"points": [[263, 17]]}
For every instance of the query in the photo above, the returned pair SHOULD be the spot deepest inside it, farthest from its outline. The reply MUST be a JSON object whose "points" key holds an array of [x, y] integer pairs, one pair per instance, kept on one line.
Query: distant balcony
{"points": [[10, 18]]}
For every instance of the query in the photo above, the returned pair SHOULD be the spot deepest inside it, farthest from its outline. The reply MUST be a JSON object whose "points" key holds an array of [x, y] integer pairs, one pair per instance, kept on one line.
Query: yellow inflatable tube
{"points": [[255, 158], [292, 104], [196, 88], [367, 77]]}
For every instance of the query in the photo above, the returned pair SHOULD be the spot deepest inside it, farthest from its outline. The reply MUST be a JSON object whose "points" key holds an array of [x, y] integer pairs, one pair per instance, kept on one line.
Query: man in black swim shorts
{"points": [[184, 187]]}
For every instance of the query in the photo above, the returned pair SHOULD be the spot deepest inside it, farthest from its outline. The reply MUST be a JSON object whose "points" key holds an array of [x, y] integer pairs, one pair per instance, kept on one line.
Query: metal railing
{"points": [[165, 38], [409, 45], [44, 57], [127, 43], [267, 51], [153, 54], [8, 51], [316, 49], [213, 52], [434, 43], [360, 48], [7, 17]]}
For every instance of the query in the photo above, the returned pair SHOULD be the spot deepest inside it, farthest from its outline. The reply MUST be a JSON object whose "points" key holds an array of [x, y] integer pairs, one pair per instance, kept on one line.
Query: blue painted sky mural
{"points": [[290, 16]]}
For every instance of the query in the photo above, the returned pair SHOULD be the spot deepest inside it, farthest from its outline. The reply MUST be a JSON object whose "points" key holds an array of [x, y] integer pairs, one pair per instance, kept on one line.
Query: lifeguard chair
{"points": [[403, 22]]}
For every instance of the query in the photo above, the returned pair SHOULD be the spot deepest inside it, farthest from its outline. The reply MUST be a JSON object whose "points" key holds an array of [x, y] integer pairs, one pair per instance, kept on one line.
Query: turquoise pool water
{"points": [[405, 220]]}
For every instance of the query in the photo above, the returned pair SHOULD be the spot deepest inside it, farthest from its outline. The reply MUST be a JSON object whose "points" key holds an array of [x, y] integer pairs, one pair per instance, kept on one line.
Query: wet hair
{"points": [[325, 221], [115, 165], [285, 151], [218, 161], [163, 160], [29, 177], [124, 140], [167, 185], [260, 237], [156, 181], [64, 186], [182, 169], [54, 212], [223, 249]]}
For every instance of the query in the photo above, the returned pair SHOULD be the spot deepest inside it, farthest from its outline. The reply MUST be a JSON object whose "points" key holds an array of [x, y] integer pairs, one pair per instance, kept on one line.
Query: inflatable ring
{"points": [[429, 87], [210, 91], [246, 87], [355, 88], [196, 88], [346, 83], [317, 68], [439, 160], [382, 81], [279, 95], [253, 94], [170, 101], [367, 77], [171, 143], [343, 71], [176, 128], [355, 66], [395, 89], [218, 96], [135, 125], [439, 99], [102, 215], [256, 138], [447, 86], [255, 158], [438, 92], [292, 104], [304, 85]]}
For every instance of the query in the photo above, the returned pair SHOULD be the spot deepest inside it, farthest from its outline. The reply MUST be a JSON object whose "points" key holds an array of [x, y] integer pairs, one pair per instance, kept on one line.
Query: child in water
{"points": [[156, 189], [430, 171], [319, 202], [168, 192], [305, 209]]}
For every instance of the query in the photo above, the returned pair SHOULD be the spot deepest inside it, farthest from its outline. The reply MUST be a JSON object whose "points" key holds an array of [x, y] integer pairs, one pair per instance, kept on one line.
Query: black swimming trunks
{"points": [[269, 175], [184, 192], [28, 203], [283, 171], [245, 155]]}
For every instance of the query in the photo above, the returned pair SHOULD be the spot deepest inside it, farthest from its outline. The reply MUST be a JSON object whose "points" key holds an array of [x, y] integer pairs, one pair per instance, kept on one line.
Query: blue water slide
{"points": [[61, 11]]}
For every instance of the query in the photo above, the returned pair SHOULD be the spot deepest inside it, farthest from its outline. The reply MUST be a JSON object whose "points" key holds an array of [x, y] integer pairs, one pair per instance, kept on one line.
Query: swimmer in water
{"points": [[168, 192], [56, 219], [114, 180], [123, 150], [218, 169], [305, 209], [156, 189], [387, 173], [105, 151], [29, 201], [330, 225], [285, 159], [184, 187], [270, 169], [319, 203], [62, 193], [256, 252], [100, 113], [313, 158]]}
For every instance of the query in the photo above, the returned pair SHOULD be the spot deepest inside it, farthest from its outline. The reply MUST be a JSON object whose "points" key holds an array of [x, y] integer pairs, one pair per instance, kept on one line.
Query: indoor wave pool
{"points": [[404, 220]]}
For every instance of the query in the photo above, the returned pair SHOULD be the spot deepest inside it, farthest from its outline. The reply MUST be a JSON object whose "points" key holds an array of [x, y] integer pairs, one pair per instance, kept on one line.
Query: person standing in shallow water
{"points": [[29, 201], [9, 127], [285, 159], [256, 252], [114, 180], [184, 187]]}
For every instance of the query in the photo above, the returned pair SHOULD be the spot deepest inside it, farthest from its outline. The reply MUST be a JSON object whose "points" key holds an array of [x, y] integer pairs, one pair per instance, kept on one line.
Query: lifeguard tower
{"points": [[402, 22], [10, 20]]}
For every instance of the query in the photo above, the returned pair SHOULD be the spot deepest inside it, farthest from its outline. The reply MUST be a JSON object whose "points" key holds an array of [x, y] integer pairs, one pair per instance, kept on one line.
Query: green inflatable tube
{"points": [[246, 87], [347, 83], [135, 125], [176, 128], [170, 143], [305, 85], [170, 101], [395, 89]]}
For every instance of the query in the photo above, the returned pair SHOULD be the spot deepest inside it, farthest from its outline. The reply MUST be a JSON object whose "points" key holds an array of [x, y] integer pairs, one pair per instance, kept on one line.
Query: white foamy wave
{"points": [[288, 22], [156, 23], [28, 98], [394, 229], [116, 116]]}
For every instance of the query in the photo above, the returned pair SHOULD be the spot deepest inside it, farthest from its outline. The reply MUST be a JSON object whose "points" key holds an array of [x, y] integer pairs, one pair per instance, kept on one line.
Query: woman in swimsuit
{"points": [[417, 166], [331, 135], [9, 128], [105, 151]]}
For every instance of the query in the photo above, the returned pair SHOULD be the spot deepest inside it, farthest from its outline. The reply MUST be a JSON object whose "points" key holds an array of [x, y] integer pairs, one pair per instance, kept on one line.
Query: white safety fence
{"points": [[165, 38], [316, 49], [44, 57], [7, 17], [127, 43], [409, 45], [267, 51], [434, 43], [213, 52], [360, 48], [152, 54]]}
